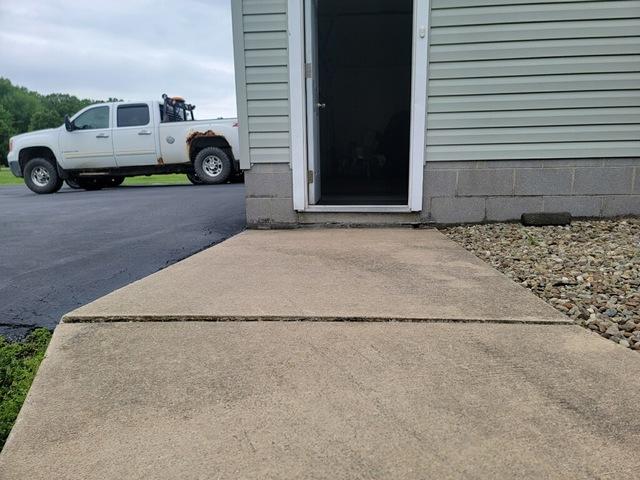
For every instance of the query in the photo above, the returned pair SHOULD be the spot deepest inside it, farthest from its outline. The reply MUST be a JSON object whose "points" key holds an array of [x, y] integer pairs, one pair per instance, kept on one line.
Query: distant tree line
{"points": [[23, 110]]}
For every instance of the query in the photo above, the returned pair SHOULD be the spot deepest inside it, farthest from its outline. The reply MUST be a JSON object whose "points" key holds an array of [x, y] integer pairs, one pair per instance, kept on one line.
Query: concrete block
{"points": [[457, 209], [450, 165], [578, 206], [622, 162], [603, 180], [509, 164], [269, 168], [272, 185], [258, 210], [440, 183], [543, 181], [282, 211], [636, 180], [572, 162], [485, 182], [511, 208], [615, 205]]}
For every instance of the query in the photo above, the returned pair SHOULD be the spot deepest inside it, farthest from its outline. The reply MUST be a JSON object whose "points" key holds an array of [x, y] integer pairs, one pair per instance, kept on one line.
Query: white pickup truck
{"points": [[104, 143]]}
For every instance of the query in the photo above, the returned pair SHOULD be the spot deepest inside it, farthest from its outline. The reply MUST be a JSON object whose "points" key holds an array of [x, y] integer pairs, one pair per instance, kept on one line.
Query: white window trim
{"points": [[297, 102]]}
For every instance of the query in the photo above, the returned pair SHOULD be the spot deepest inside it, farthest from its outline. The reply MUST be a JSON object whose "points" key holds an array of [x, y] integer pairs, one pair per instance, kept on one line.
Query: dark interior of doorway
{"points": [[364, 52]]}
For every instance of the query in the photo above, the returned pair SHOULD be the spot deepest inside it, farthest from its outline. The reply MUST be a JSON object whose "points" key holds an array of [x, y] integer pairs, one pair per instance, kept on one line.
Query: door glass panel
{"points": [[133, 115], [93, 118]]}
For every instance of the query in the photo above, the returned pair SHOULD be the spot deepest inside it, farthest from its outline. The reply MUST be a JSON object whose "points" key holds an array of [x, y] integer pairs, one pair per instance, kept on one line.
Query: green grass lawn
{"points": [[169, 179], [7, 178], [19, 363]]}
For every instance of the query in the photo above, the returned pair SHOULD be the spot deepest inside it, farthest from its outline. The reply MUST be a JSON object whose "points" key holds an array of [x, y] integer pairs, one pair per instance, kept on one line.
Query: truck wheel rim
{"points": [[212, 166], [40, 176]]}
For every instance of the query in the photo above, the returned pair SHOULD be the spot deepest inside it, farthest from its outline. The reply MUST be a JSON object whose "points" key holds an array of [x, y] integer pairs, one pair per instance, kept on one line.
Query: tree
{"points": [[6, 131], [23, 110], [45, 119]]}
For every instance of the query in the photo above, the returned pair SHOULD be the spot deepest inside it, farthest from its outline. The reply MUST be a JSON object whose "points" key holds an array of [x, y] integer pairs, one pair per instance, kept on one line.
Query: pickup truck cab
{"points": [[104, 143]]}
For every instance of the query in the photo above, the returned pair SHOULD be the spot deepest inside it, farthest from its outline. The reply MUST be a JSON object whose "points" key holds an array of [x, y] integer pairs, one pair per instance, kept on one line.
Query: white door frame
{"points": [[298, 115]]}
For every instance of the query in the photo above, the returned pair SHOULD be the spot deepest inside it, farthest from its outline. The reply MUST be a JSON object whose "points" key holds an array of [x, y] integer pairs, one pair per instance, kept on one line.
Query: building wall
{"points": [[497, 190], [532, 106], [515, 79]]}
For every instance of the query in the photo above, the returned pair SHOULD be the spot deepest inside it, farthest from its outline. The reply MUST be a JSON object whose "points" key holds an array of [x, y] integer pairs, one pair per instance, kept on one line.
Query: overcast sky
{"points": [[129, 49]]}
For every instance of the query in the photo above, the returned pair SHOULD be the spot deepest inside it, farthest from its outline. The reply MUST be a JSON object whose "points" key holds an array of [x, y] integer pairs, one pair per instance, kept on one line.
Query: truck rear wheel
{"points": [[195, 179], [213, 165], [41, 176]]}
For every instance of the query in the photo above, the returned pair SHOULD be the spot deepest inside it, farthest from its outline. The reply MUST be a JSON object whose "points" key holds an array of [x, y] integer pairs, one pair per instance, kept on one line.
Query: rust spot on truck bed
{"points": [[193, 135], [160, 161]]}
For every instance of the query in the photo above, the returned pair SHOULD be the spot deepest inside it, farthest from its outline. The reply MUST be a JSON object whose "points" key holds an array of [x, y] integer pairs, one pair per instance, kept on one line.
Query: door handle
{"points": [[144, 132], [102, 135]]}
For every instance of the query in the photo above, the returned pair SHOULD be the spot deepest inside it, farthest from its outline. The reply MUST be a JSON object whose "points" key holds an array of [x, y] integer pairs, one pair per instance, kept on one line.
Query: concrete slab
{"points": [[326, 274], [328, 400]]}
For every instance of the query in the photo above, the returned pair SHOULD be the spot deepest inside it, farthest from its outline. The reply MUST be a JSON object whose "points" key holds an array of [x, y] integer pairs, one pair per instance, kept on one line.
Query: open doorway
{"points": [[359, 100]]}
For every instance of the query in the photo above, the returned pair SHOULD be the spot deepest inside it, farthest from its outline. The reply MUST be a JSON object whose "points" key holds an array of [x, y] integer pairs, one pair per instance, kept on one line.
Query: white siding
{"points": [[516, 79]]}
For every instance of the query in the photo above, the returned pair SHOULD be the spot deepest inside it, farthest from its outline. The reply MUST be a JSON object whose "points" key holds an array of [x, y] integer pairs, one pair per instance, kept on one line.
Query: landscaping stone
{"points": [[590, 270]]}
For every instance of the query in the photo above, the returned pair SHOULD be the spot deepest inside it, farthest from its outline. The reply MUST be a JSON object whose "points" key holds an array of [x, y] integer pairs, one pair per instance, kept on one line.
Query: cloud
{"points": [[135, 49]]}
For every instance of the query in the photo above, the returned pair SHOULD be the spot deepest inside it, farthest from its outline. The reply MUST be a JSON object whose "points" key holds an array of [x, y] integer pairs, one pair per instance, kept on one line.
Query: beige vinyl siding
{"points": [[264, 25], [515, 79]]}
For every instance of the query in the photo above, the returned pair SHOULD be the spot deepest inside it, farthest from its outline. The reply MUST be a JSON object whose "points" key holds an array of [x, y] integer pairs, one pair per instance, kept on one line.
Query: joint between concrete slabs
{"points": [[308, 319]]}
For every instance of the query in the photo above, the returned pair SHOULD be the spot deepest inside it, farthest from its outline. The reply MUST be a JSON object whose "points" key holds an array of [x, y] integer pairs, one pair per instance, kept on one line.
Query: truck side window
{"points": [[134, 115], [97, 117]]}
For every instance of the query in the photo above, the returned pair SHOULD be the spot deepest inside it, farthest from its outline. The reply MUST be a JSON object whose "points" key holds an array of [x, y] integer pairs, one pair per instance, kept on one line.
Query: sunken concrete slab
{"points": [[327, 400], [326, 274]]}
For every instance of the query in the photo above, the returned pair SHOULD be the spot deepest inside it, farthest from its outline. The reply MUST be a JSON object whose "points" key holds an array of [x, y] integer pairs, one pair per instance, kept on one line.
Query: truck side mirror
{"points": [[68, 124]]}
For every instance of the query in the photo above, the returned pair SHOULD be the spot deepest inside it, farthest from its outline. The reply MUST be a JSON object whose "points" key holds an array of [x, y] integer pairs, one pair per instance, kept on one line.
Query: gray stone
{"points": [[578, 206], [636, 180], [485, 182], [511, 208], [603, 180], [547, 181], [612, 330], [621, 205], [628, 326], [457, 209], [440, 183]]}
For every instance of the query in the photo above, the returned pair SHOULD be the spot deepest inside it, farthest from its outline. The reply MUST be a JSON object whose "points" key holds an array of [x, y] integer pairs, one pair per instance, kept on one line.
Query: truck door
{"points": [[134, 136], [90, 145]]}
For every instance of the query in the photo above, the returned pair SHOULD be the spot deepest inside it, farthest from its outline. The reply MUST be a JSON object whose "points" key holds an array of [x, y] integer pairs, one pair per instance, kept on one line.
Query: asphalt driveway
{"points": [[58, 252]]}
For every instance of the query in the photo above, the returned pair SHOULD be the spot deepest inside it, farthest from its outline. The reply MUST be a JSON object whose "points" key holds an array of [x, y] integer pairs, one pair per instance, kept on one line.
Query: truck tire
{"points": [[195, 179], [213, 165], [41, 176], [91, 183], [72, 182]]}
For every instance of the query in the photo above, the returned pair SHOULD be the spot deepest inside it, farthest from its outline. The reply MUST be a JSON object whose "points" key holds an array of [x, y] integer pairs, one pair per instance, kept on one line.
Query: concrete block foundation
{"points": [[469, 192]]}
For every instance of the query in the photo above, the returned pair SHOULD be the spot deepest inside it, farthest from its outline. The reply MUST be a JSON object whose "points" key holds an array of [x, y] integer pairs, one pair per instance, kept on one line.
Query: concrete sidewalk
{"points": [[335, 274], [475, 378]]}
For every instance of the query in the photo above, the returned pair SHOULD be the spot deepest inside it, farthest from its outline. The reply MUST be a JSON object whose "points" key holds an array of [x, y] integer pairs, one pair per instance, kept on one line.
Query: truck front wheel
{"points": [[41, 176], [212, 165]]}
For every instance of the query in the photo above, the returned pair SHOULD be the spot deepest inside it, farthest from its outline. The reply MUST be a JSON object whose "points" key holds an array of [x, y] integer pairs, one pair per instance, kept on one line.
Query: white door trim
{"points": [[297, 103]]}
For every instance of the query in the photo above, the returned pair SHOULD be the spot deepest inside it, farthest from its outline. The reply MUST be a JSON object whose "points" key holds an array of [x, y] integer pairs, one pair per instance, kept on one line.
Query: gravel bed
{"points": [[590, 270]]}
